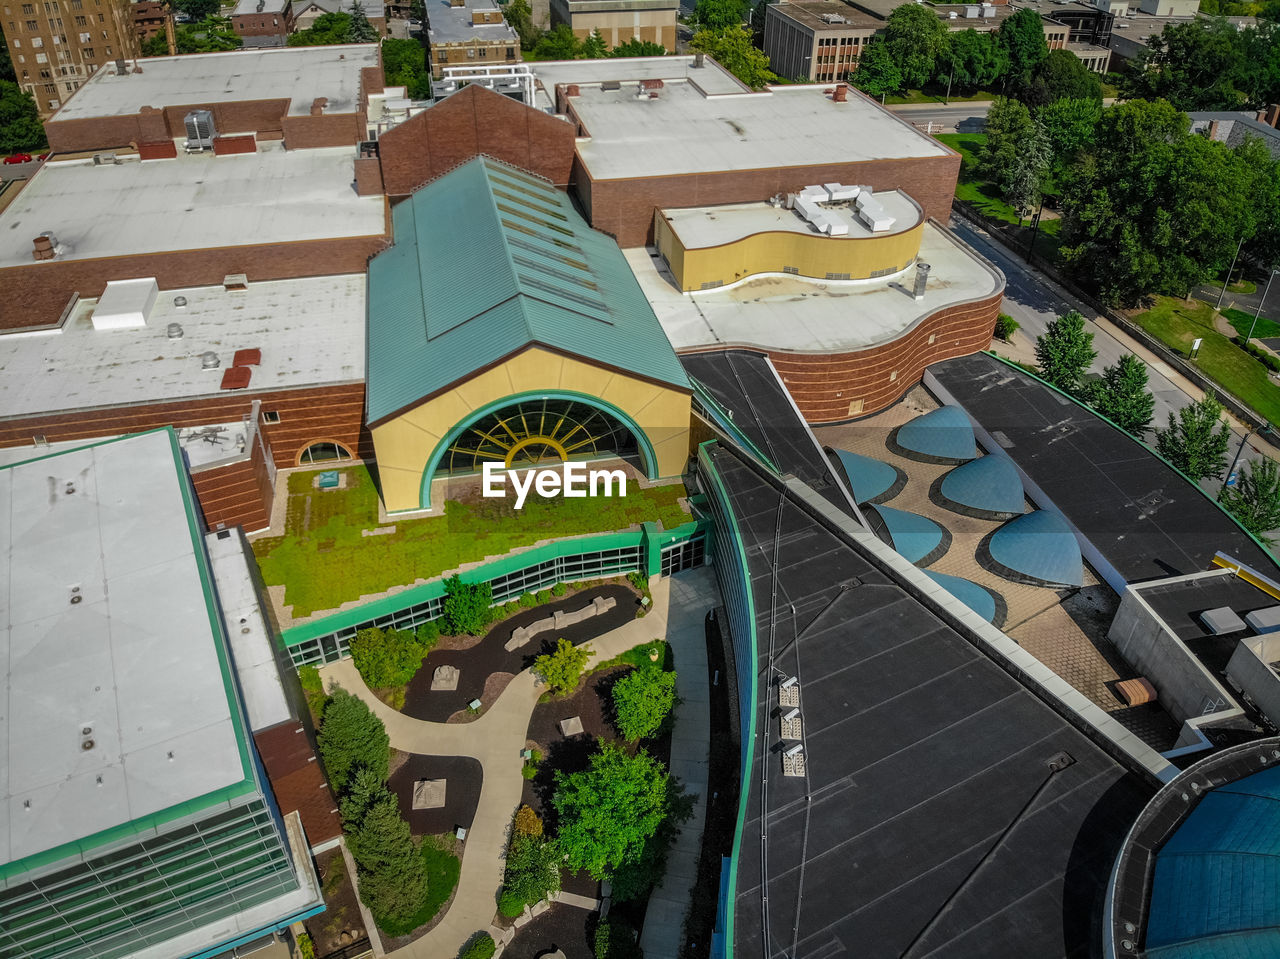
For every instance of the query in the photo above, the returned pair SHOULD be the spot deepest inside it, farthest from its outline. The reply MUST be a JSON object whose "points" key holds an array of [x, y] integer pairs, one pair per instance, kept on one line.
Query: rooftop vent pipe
{"points": [[43, 247], [922, 278], [174, 331], [209, 360]]}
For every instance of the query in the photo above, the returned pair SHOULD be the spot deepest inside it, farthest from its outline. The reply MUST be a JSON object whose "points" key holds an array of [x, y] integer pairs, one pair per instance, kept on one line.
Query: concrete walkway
{"points": [[693, 595], [495, 740]]}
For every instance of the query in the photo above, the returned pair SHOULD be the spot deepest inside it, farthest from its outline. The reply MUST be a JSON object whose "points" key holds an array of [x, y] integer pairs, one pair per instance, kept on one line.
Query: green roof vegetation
{"points": [[323, 560], [487, 260], [1178, 324]]}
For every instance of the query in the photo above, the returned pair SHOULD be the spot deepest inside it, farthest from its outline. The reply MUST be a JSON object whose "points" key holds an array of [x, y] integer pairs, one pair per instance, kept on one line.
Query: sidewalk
{"points": [[495, 740]]}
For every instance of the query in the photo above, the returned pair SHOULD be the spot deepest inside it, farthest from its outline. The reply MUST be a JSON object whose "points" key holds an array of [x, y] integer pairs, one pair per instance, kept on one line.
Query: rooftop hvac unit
{"points": [[971, 12], [200, 131]]}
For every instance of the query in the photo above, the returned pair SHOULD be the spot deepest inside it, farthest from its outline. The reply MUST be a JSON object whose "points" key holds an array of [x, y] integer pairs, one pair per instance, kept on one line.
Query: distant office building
{"points": [[1170, 8], [620, 20], [137, 820], [149, 17], [56, 45], [818, 40], [263, 18], [469, 33], [1233, 128]]}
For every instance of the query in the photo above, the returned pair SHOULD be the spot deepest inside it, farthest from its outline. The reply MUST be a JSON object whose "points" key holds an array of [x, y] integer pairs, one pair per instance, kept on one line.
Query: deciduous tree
{"points": [[642, 699], [466, 605], [1064, 351], [718, 15], [1061, 76], [563, 668], [1195, 441], [558, 43], [877, 75], [733, 50], [1022, 36], [20, 127], [916, 39], [635, 47], [972, 61], [1016, 155], [1255, 499]]}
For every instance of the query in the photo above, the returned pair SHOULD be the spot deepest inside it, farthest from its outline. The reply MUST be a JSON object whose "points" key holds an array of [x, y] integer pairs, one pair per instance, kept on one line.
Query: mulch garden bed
{"points": [[464, 777], [342, 913], [484, 658], [562, 927]]}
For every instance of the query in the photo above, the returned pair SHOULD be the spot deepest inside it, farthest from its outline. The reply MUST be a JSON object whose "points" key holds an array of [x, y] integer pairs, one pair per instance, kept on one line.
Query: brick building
{"points": [[263, 18], [817, 40], [620, 20], [150, 17], [307, 12], [56, 45], [469, 33]]}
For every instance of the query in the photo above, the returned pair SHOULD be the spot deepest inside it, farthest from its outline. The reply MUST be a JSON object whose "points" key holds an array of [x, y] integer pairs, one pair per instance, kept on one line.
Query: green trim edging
{"points": [[1145, 445], [744, 789], [728, 425], [437, 454], [11, 871], [511, 563]]}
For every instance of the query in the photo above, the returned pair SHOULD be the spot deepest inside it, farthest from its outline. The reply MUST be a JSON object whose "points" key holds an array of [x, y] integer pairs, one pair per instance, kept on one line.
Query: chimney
{"points": [[841, 94], [43, 247], [1273, 115], [318, 105], [650, 84], [922, 278], [1213, 129], [697, 60], [262, 5], [122, 69], [572, 90]]}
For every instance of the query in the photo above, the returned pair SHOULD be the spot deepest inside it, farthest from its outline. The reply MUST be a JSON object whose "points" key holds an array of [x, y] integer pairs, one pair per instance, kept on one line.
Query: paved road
{"points": [[1034, 300], [1248, 302], [496, 738], [945, 118]]}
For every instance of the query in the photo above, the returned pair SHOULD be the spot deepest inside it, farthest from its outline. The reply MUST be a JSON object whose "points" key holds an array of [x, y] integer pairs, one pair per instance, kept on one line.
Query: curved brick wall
{"points": [[825, 385]]}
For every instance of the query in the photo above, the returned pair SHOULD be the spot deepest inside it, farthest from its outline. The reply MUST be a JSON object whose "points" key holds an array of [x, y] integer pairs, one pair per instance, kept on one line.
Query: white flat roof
{"points": [[683, 131], [310, 332], [704, 226], [813, 316], [297, 74], [135, 661], [192, 202], [251, 645], [711, 77]]}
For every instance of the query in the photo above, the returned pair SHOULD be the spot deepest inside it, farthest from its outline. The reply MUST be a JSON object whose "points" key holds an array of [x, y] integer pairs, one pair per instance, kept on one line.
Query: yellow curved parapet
{"points": [[1248, 574], [786, 251]]}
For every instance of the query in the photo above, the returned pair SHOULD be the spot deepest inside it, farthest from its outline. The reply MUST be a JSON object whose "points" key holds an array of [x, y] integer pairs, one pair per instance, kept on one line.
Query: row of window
{"points": [[442, 55], [53, 23], [28, 9], [839, 41]]}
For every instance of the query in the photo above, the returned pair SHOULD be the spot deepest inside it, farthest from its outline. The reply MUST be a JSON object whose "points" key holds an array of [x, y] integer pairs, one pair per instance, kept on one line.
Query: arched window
{"points": [[536, 431], [323, 453]]}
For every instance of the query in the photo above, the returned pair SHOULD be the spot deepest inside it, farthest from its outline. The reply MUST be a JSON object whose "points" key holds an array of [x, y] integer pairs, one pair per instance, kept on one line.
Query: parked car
{"points": [[42, 157], [18, 158]]}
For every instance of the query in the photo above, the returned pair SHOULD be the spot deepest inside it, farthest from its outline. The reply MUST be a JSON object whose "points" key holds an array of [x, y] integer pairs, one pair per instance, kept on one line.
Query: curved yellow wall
{"points": [[403, 446], [807, 254]]}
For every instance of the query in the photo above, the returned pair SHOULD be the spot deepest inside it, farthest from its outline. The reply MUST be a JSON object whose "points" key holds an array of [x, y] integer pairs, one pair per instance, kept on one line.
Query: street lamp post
{"points": [[1229, 272], [1035, 226], [1266, 428], [1258, 311], [947, 99]]}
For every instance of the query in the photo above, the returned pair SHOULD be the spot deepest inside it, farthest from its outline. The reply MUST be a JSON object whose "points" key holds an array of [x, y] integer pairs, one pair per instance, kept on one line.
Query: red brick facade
{"points": [[264, 24], [298, 781], [236, 495], [624, 208], [827, 387], [474, 121], [38, 292]]}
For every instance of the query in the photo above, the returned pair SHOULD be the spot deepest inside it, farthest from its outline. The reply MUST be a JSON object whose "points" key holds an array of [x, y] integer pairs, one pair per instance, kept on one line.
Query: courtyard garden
{"points": [[334, 548]]}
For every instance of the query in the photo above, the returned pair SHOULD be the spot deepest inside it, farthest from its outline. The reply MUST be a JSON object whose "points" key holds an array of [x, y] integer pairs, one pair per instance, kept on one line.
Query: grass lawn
{"points": [[324, 561], [443, 868], [1243, 322], [1176, 324], [985, 198]]}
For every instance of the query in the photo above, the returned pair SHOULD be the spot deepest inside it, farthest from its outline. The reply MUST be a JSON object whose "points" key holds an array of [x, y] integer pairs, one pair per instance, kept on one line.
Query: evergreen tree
{"points": [[594, 48], [350, 737], [1064, 351], [1255, 499], [361, 30], [1122, 396], [393, 876], [1016, 154], [1196, 440]]}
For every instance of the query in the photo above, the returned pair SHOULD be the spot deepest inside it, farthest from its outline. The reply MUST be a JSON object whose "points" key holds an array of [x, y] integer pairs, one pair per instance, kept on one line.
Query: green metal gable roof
{"points": [[488, 259]]}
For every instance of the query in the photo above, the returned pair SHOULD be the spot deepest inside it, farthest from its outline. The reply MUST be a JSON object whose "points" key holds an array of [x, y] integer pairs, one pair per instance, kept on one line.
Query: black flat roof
{"points": [[745, 384], [1140, 513], [1180, 604], [930, 823]]}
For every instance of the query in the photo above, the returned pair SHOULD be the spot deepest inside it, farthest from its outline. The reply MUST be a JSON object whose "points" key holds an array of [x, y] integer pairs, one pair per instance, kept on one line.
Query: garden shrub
{"points": [[1006, 326], [562, 669], [510, 904], [481, 947], [642, 700], [1269, 360], [559, 589], [639, 580], [529, 770], [544, 596], [528, 822], [466, 607], [306, 948], [532, 872], [528, 601], [428, 634], [387, 658], [615, 939]]}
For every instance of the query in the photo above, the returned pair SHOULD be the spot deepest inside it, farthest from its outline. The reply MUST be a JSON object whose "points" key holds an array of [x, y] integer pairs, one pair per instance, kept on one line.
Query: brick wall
{"points": [[261, 25], [825, 385], [473, 121], [326, 130], [37, 293], [224, 146], [332, 414], [238, 494], [150, 124], [624, 208]]}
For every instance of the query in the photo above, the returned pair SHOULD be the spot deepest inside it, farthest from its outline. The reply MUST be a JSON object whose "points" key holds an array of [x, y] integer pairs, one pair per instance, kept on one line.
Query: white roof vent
{"points": [[125, 304], [180, 302], [174, 330], [209, 360]]}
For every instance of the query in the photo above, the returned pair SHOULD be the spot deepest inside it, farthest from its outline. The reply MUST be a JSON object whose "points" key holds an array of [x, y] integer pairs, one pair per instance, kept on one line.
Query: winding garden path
{"points": [[498, 736]]}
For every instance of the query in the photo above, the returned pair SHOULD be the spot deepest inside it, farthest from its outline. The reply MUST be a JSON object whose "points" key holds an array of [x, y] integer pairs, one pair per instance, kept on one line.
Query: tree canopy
{"points": [[1061, 75], [972, 61], [1122, 396], [466, 606], [1255, 499], [916, 39], [1064, 352], [732, 49], [642, 699], [1022, 36], [635, 47], [404, 64], [1016, 154], [1195, 441], [361, 30], [877, 74], [328, 29], [20, 127], [610, 810], [351, 737], [562, 668], [1208, 65], [719, 14]]}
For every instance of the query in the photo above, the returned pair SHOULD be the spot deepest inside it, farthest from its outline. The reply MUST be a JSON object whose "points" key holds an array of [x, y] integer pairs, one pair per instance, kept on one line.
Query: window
{"points": [[511, 53], [32, 26], [323, 452], [108, 51], [484, 53], [50, 88], [471, 53], [88, 53], [28, 9], [81, 21], [71, 87], [45, 74], [270, 416], [41, 58], [16, 42]]}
